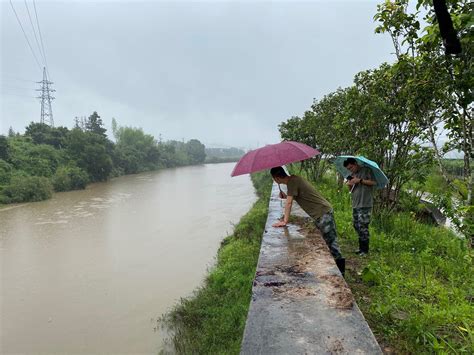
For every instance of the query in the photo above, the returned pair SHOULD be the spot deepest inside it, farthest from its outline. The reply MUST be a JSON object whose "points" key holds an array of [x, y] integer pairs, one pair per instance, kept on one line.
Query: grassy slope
{"points": [[212, 321], [416, 289]]}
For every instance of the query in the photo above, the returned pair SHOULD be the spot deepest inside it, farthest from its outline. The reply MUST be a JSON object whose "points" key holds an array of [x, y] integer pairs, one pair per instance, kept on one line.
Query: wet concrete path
{"points": [[300, 302]]}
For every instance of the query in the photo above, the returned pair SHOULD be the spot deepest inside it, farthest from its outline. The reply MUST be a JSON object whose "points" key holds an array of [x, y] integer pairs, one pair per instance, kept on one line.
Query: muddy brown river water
{"points": [[91, 271]]}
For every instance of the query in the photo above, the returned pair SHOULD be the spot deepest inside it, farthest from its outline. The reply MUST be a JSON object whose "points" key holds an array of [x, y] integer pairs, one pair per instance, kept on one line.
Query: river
{"points": [[90, 271]]}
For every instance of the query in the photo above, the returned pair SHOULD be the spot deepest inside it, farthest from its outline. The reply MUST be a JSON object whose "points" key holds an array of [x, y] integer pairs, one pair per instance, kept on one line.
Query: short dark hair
{"points": [[278, 172], [349, 161]]}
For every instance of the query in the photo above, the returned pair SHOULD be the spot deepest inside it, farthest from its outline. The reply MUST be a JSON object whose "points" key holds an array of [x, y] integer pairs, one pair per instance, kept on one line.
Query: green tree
{"points": [[89, 151], [180, 156], [41, 133], [11, 132], [4, 148], [196, 151], [135, 150], [5, 172], [445, 81], [95, 125], [168, 155]]}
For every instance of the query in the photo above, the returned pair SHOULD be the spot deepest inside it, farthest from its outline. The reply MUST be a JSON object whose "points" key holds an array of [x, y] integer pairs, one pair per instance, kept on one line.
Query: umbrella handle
{"points": [[281, 204]]}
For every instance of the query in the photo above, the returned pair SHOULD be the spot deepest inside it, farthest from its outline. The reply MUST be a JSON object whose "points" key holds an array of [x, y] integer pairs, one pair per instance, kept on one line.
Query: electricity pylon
{"points": [[46, 98]]}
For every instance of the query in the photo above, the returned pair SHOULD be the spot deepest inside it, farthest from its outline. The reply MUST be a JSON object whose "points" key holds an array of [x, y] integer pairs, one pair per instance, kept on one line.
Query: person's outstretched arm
{"points": [[286, 217]]}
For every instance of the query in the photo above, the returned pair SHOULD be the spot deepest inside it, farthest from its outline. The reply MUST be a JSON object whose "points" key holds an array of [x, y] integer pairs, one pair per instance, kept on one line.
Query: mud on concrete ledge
{"points": [[300, 302]]}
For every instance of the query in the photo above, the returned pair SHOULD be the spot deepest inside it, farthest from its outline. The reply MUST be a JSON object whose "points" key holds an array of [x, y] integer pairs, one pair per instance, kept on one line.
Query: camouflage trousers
{"points": [[327, 226], [361, 221]]}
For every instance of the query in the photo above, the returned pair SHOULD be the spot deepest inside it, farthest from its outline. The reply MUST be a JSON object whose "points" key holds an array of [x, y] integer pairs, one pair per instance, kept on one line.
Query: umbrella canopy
{"points": [[379, 176], [273, 155]]}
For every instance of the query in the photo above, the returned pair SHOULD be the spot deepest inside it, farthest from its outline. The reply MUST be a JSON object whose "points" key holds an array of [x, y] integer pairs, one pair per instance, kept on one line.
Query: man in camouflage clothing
{"points": [[327, 226], [314, 204], [362, 184]]}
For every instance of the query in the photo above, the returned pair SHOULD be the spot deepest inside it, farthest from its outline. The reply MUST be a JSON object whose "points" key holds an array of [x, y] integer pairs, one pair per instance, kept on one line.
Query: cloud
{"points": [[217, 71]]}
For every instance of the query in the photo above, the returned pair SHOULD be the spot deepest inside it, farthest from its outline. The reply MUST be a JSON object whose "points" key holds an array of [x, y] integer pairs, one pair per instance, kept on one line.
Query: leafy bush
{"points": [[27, 188], [70, 178], [5, 172], [34, 159]]}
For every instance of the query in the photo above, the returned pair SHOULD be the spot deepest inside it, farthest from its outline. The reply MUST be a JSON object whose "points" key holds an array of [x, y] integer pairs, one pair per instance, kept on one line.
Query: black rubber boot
{"points": [[341, 265], [364, 247], [361, 248]]}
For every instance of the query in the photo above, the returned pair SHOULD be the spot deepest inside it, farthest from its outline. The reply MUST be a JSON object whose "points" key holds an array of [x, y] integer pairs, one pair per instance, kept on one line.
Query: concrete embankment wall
{"points": [[300, 302]]}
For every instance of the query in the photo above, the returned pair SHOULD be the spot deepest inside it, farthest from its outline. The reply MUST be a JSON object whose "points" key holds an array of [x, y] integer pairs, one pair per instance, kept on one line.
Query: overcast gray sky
{"points": [[226, 73]]}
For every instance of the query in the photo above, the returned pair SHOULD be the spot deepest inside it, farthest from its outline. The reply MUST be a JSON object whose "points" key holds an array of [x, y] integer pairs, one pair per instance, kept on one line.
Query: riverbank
{"points": [[212, 320], [415, 289], [23, 189], [54, 159], [217, 160]]}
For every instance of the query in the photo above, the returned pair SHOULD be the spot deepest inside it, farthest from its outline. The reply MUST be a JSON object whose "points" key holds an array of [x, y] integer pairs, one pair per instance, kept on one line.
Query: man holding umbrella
{"points": [[274, 156], [361, 183], [314, 204]]}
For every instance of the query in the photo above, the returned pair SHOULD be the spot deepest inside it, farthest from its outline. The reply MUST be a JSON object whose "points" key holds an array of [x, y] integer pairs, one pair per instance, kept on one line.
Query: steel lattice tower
{"points": [[46, 98]]}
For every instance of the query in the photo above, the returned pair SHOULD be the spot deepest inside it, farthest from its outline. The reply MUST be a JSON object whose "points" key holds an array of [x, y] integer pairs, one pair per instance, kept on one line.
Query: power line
{"points": [[15, 87], [41, 38], [6, 77], [34, 30], [26, 37], [8, 94]]}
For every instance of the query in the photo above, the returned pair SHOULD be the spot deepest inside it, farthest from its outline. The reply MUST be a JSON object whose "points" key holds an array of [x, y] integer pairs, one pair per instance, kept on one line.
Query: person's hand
{"points": [[279, 224], [282, 195], [353, 181]]}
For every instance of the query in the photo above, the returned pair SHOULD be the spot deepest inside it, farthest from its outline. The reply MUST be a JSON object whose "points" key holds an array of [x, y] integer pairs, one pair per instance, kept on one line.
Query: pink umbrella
{"points": [[273, 155]]}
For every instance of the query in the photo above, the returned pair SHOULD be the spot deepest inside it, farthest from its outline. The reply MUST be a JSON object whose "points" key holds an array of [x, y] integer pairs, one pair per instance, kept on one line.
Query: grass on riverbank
{"points": [[416, 287], [212, 320]]}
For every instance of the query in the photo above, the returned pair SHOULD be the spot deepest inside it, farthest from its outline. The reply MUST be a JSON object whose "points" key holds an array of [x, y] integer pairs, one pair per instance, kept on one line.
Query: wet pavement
{"points": [[300, 301]]}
